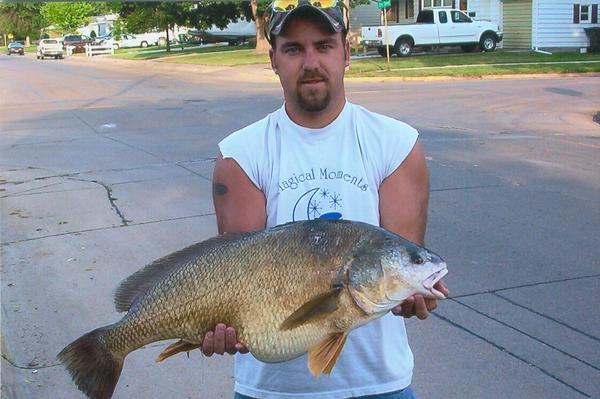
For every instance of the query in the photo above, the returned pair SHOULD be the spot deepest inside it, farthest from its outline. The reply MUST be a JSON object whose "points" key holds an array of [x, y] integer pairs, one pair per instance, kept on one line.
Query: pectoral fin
{"points": [[173, 349], [322, 356], [317, 307]]}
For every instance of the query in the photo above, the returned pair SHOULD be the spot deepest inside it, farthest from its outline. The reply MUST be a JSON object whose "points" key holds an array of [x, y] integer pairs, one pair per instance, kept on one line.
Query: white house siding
{"points": [[486, 9], [553, 25]]}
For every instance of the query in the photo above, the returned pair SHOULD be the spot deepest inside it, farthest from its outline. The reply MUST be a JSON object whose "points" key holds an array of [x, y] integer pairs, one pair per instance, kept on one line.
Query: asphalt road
{"points": [[106, 166]]}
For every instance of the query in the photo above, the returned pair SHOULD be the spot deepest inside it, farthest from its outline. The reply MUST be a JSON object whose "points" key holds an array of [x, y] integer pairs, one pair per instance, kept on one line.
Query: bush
{"points": [[594, 35]]}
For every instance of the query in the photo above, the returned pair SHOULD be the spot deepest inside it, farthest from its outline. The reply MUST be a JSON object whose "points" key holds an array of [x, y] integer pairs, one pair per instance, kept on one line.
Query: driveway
{"points": [[106, 166]]}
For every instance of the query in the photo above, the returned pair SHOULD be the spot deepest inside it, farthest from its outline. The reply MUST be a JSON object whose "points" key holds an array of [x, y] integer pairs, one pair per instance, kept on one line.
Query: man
{"points": [[321, 156]]}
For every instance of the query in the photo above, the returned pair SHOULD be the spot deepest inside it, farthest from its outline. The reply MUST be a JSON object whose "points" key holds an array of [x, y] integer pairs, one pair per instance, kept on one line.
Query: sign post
{"points": [[383, 5]]}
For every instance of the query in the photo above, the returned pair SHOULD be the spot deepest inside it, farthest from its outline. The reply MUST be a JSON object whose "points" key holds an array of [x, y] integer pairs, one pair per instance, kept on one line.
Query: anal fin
{"points": [[322, 356], [175, 348]]}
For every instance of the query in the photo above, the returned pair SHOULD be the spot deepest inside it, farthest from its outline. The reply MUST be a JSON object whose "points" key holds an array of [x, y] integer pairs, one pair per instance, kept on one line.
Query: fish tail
{"points": [[93, 367]]}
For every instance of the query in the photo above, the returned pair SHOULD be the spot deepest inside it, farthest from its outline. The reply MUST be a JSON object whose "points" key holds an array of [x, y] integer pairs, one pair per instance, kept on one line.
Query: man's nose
{"points": [[311, 59]]}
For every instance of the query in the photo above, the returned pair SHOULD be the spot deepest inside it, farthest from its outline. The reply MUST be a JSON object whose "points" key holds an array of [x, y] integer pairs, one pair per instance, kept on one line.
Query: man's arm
{"points": [[403, 202], [239, 206]]}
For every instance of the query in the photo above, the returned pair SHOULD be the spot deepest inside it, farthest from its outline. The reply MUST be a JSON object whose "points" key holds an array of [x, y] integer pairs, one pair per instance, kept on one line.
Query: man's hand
{"points": [[222, 340], [419, 306]]}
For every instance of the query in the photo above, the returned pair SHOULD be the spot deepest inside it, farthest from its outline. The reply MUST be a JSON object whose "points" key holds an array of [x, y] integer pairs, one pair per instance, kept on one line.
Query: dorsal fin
{"points": [[134, 286]]}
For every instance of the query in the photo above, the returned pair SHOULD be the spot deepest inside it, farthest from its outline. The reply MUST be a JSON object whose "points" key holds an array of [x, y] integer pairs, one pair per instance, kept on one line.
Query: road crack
{"points": [[111, 199]]}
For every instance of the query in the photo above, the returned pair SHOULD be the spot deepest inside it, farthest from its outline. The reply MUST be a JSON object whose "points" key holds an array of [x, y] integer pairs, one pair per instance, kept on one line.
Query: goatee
{"points": [[312, 103]]}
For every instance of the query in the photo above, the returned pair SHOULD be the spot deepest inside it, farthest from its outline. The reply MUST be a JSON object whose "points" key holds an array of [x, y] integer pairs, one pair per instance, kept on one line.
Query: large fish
{"points": [[295, 288]]}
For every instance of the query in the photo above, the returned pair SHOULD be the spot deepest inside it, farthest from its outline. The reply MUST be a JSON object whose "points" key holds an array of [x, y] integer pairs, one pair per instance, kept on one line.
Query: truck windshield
{"points": [[425, 17]]}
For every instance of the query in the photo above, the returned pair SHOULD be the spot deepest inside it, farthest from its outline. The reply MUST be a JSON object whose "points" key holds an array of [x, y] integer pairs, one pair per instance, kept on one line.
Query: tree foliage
{"points": [[148, 16], [21, 19], [67, 16]]}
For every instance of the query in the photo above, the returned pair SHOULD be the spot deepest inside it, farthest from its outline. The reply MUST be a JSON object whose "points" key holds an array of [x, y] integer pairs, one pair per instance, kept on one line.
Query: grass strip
{"points": [[231, 58], [137, 54], [437, 60]]}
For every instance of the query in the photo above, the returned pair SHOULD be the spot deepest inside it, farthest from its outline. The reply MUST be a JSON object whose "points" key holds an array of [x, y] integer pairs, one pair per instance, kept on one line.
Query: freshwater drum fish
{"points": [[295, 288]]}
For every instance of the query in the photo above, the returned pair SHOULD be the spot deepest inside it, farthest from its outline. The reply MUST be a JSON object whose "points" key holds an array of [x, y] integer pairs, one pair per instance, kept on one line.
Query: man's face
{"points": [[310, 63]]}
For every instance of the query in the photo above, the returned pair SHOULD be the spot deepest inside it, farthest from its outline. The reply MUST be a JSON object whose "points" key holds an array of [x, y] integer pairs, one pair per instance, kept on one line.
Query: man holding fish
{"points": [[320, 156]]}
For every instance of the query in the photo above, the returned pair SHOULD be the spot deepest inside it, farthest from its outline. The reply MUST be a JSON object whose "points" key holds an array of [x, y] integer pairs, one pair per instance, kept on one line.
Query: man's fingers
{"points": [[241, 348], [441, 287], [230, 340], [408, 307], [421, 307], [431, 304], [208, 344], [219, 339]]}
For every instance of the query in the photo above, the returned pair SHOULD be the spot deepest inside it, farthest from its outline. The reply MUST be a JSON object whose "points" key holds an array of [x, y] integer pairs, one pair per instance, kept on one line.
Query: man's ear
{"points": [[273, 62], [347, 53]]}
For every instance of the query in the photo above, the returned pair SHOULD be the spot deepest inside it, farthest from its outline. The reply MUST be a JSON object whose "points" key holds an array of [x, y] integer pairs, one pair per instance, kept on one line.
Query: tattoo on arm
{"points": [[220, 189]]}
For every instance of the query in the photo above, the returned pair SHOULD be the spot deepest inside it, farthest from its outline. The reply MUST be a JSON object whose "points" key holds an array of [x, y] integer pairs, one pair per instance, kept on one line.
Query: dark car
{"points": [[78, 42], [16, 48]]}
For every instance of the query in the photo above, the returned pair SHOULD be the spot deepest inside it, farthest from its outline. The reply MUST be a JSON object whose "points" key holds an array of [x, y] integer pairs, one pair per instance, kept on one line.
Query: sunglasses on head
{"points": [[289, 5]]}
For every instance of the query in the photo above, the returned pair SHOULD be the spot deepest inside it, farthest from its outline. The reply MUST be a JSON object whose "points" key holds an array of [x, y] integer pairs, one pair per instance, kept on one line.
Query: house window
{"points": [[394, 12], [409, 10], [463, 5], [437, 3], [584, 13]]}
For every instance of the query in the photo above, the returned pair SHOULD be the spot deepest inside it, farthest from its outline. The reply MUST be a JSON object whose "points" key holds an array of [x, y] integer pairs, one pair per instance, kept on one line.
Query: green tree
{"points": [[148, 16], [67, 16], [21, 20]]}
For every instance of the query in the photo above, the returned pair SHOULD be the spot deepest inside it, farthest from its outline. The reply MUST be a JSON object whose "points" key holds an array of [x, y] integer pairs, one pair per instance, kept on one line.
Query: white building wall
{"points": [[486, 9], [553, 27]]}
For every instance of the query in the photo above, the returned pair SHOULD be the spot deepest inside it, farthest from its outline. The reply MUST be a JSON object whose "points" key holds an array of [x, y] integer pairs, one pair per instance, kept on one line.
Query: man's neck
{"points": [[315, 120]]}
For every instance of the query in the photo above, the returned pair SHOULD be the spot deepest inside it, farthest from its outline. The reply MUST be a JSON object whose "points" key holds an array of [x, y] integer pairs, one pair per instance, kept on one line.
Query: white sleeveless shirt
{"points": [[332, 172]]}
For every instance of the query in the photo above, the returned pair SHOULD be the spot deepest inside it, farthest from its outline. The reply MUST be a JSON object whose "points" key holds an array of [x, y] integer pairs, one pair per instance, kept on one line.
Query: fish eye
{"points": [[419, 261]]}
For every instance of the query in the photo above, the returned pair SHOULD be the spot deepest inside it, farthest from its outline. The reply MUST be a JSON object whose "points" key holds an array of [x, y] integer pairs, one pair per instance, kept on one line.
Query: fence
{"points": [[98, 49]]}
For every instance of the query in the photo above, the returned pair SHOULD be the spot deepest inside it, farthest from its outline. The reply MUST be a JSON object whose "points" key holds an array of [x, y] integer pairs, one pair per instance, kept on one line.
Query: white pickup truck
{"points": [[436, 27], [49, 48]]}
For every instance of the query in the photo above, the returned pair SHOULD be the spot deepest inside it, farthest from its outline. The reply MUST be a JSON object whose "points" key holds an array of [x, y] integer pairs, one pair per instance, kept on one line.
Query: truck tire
{"points": [[144, 44], [403, 47], [469, 48], [487, 42], [162, 41], [115, 46]]}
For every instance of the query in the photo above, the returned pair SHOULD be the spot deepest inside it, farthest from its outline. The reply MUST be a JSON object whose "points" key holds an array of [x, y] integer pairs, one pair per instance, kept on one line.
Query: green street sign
{"points": [[383, 4]]}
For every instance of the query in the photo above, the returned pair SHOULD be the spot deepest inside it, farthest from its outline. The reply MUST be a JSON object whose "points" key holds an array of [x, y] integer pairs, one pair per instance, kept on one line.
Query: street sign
{"points": [[383, 4]]}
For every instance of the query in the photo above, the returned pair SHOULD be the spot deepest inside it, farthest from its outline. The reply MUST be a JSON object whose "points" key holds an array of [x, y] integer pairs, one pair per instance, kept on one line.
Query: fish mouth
{"points": [[430, 281]]}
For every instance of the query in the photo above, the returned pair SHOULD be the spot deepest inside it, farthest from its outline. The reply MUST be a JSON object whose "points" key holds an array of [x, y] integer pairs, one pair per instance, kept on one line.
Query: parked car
{"points": [[140, 40], [49, 48], [15, 48], [78, 42], [436, 27]]}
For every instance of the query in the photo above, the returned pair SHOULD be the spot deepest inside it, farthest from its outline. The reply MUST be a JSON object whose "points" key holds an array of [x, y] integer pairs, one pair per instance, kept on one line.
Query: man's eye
{"points": [[325, 46], [291, 50]]}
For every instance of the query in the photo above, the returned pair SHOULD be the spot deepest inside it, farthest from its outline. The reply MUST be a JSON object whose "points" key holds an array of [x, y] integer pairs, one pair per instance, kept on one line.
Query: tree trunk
{"points": [[262, 46], [168, 40], [347, 15]]}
